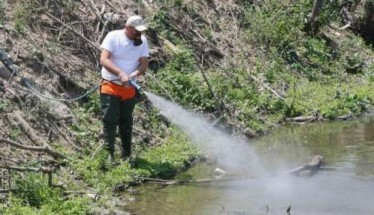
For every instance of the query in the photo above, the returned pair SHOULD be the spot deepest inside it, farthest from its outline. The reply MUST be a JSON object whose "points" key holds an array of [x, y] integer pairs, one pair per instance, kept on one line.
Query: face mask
{"points": [[138, 42]]}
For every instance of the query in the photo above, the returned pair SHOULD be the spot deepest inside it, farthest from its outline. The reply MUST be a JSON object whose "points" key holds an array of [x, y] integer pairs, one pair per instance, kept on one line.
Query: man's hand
{"points": [[134, 75], [124, 79]]}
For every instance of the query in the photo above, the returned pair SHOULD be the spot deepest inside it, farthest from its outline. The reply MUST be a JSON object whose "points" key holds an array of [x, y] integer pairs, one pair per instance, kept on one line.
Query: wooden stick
{"points": [[32, 148], [27, 169], [209, 86], [5, 191], [204, 180], [92, 6], [253, 77], [46, 170], [31, 134]]}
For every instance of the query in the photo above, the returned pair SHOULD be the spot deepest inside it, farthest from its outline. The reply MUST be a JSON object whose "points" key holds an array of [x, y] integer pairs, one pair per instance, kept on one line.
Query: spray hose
{"points": [[26, 82]]}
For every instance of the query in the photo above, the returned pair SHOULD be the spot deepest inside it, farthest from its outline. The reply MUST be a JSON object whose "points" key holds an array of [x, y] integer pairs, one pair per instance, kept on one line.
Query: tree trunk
{"points": [[313, 24], [316, 9], [367, 25]]}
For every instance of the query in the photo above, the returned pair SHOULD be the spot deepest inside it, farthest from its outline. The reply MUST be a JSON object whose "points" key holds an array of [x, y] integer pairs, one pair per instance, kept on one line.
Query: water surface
{"points": [[344, 186]]}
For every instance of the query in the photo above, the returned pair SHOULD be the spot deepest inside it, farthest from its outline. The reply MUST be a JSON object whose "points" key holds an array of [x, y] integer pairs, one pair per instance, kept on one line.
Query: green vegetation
{"points": [[271, 67], [182, 82], [164, 161], [160, 161], [32, 195], [24, 14], [322, 74], [2, 12]]}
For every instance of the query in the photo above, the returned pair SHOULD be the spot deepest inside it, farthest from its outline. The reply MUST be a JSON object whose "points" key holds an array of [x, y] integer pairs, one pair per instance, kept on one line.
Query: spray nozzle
{"points": [[134, 84]]}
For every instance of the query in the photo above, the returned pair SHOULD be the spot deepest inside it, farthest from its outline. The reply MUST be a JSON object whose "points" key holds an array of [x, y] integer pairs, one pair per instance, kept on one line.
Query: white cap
{"points": [[137, 22]]}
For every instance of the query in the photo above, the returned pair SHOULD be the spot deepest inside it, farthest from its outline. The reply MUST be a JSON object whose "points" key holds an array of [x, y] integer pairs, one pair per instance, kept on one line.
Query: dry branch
{"points": [[35, 138], [92, 6], [210, 87], [313, 166], [45, 170], [32, 148], [194, 181], [71, 29], [253, 77], [27, 169], [302, 119], [27, 128]]}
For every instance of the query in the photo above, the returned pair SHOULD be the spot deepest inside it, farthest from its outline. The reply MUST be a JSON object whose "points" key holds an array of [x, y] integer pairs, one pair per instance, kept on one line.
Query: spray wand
{"points": [[134, 84]]}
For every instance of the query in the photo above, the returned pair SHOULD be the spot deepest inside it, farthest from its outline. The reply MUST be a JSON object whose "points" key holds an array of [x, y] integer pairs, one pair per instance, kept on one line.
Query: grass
{"points": [[163, 161], [32, 195], [331, 100]]}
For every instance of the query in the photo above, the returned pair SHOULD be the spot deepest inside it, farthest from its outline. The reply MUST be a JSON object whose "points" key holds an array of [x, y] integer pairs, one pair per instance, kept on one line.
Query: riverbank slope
{"points": [[246, 65]]}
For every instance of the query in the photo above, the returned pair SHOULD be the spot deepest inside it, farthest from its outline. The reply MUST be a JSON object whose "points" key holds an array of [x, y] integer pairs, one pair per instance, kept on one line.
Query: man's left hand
{"points": [[134, 75]]}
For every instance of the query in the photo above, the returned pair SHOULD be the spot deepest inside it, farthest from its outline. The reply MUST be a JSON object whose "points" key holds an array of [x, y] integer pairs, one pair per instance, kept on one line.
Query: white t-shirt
{"points": [[124, 54]]}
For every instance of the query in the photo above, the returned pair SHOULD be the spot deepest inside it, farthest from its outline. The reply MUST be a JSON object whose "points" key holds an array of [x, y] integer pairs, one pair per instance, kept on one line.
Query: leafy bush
{"points": [[183, 83], [32, 195], [33, 189], [271, 25]]}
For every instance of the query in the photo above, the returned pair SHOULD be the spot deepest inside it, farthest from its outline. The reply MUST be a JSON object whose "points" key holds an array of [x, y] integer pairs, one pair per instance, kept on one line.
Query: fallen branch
{"points": [[45, 170], [302, 119], [31, 134], [3, 157], [70, 28], [275, 93], [92, 6], [313, 166], [348, 25], [27, 169], [93, 196], [5, 191], [32, 148], [218, 103], [204, 180]]}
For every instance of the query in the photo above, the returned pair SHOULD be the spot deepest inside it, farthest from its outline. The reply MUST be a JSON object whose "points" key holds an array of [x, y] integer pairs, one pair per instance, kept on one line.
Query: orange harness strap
{"points": [[108, 87]]}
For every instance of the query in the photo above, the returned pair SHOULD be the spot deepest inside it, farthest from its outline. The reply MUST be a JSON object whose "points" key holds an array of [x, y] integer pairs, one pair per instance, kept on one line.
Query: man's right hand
{"points": [[124, 79]]}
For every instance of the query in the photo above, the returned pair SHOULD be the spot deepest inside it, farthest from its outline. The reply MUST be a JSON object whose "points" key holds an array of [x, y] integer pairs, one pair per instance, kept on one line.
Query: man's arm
{"points": [[143, 66], [107, 63]]}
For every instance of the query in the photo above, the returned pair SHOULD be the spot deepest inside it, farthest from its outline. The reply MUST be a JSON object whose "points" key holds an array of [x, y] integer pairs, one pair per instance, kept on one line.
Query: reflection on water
{"points": [[345, 186]]}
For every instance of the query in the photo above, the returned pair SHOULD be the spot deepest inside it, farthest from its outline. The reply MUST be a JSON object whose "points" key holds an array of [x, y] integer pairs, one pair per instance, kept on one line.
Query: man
{"points": [[124, 57]]}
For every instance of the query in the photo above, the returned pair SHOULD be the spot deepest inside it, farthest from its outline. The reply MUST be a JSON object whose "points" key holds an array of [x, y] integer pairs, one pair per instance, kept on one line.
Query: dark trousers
{"points": [[117, 113]]}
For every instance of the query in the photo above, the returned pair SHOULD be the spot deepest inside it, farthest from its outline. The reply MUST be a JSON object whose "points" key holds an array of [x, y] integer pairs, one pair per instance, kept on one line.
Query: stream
{"points": [[345, 185], [257, 175]]}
